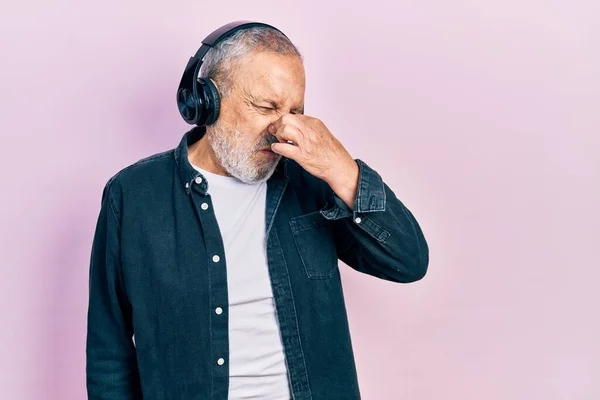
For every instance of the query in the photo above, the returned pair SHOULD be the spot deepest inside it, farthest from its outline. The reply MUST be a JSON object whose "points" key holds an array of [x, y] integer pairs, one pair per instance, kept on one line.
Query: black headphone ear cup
{"points": [[212, 101], [188, 105]]}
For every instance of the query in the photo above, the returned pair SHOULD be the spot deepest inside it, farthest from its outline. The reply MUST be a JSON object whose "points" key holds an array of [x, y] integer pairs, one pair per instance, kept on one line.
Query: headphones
{"points": [[198, 98]]}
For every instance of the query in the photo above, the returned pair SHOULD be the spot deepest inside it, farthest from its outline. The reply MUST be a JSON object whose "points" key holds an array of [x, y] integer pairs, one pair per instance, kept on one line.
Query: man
{"points": [[214, 268]]}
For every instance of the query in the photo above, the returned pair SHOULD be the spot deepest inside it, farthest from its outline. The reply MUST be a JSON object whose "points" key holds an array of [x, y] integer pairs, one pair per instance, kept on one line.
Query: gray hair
{"points": [[221, 62]]}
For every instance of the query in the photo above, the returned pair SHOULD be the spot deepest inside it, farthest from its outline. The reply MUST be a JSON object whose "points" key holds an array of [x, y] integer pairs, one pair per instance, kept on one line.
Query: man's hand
{"points": [[318, 152]]}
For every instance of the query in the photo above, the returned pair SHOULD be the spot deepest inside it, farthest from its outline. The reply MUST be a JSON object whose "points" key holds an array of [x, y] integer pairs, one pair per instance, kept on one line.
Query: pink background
{"points": [[483, 117]]}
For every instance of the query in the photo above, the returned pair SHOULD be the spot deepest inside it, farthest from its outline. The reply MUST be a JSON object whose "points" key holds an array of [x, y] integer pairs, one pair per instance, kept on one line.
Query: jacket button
{"points": [[357, 220], [219, 310], [204, 206], [198, 180], [220, 361], [216, 258]]}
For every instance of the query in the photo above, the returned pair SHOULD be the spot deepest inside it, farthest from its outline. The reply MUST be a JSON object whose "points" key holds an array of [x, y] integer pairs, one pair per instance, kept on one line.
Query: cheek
{"points": [[246, 119], [254, 126], [256, 120], [250, 125]]}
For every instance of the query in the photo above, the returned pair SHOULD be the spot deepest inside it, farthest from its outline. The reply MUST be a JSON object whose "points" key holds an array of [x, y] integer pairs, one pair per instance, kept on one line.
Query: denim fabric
{"points": [[158, 272]]}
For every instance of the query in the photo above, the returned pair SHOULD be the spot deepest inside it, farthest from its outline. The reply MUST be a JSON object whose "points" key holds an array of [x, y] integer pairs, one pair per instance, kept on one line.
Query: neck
{"points": [[202, 155]]}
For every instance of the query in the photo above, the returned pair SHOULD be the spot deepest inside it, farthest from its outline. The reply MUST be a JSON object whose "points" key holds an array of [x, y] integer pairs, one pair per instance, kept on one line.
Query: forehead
{"points": [[274, 76]]}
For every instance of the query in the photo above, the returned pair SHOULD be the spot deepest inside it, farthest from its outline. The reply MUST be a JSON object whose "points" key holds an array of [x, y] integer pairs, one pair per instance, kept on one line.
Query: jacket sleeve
{"points": [[378, 236], [111, 366]]}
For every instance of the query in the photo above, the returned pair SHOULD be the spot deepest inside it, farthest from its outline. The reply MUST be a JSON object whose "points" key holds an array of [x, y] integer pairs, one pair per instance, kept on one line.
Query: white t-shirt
{"points": [[257, 366]]}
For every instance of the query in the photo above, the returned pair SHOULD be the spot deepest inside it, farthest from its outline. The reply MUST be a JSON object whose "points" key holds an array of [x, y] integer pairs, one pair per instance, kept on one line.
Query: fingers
{"points": [[287, 119], [288, 133], [287, 150]]}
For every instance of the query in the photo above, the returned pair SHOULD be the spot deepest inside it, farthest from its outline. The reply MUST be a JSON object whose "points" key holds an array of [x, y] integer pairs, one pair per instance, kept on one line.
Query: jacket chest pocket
{"points": [[313, 236]]}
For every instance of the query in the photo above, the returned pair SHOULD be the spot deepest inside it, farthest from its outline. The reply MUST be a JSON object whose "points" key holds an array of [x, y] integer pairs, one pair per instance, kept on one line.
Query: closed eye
{"points": [[274, 109], [263, 108]]}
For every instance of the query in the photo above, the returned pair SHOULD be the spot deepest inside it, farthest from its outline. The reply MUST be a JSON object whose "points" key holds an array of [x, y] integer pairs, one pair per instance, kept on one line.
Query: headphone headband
{"points": [[197, 106]]}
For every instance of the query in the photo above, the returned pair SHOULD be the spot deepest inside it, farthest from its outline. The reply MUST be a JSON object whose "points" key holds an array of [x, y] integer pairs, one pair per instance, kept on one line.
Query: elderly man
{"points": [[214, 268]]}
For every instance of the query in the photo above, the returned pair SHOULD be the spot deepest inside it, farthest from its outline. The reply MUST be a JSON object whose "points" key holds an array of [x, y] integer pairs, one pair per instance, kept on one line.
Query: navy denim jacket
{"points": [[158, 270]]}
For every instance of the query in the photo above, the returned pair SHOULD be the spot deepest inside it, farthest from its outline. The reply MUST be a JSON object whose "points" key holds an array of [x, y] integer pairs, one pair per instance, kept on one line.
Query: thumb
{"points": [[285, 149]]}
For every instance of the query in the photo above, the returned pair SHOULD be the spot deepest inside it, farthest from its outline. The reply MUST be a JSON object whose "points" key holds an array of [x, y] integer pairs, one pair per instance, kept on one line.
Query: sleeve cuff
{"points": [[370, 196]]}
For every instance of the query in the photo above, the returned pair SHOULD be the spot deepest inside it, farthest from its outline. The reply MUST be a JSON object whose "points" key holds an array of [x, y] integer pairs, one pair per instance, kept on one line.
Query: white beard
{"points": [[238, 156]]}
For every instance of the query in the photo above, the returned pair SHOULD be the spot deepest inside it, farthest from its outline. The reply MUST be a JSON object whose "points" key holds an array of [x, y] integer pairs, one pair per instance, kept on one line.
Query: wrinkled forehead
{"points": [[279, 77]]}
